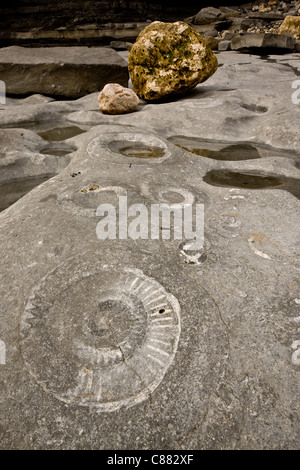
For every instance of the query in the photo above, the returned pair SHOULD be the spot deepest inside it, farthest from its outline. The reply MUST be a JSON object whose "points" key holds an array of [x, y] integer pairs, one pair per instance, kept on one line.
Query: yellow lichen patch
{"points": [[169, 59], [90, 188], [291, 25]]}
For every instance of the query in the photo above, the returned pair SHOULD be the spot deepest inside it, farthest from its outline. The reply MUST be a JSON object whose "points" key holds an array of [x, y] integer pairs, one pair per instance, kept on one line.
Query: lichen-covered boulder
{"points": [[169, 59], [116, 99], [291, 25]]}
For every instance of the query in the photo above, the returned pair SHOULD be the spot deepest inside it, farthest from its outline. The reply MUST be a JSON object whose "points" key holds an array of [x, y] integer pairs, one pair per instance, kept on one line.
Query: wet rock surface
{"points": [[143, 343]]}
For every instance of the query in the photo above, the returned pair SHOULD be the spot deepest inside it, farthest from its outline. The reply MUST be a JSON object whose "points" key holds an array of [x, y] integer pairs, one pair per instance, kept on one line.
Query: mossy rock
{"points": [[169, 59], [291, 25]]}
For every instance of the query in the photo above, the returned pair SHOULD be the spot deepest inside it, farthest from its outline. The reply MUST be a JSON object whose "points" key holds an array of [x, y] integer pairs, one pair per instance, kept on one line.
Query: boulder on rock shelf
{"points": [[205, 29], [254, 41], [208, 15], [291, 25], [224, 45], [212, 42], [169, 59], [116, 99], [121, 45], [230, 12]]}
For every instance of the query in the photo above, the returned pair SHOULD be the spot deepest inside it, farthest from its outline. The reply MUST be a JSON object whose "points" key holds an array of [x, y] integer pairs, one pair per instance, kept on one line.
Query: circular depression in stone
{"points": [[121, 147], [136, 149], [85, 200], [102, 338]]}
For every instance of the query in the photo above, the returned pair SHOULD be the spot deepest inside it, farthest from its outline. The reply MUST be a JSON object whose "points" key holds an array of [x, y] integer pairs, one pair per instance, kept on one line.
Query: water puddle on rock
{"points": [[59, 152], [252, 180], [13, 190], [289, 63], [216, 150], [136, 149], [234, 152], [60, 133], [230, 152], [53, 131]]}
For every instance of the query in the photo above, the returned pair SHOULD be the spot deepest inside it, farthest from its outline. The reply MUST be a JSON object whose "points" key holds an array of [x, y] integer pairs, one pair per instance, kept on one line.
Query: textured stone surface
{"points": [[46, 25], [208, 15], [21, 156], [291, 25], [75, 311], [120, 45], [70, 72], [224, 45], [115, 99], [212, 42], [262, 41], [33, 14], [240, 88], [268, 16], [169, 59]]}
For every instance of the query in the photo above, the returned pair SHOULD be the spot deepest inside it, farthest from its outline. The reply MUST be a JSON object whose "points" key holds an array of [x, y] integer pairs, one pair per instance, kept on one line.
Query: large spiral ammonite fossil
{"points": [[101, 337]]}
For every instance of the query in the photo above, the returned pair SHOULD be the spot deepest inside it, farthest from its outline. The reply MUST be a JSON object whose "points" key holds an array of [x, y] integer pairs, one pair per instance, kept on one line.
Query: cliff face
{"points": [[23, 15], [86, 22]]}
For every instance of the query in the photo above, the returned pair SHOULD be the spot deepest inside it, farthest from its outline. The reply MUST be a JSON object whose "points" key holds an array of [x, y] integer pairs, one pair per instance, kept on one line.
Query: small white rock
{"points": [[116, 99]]}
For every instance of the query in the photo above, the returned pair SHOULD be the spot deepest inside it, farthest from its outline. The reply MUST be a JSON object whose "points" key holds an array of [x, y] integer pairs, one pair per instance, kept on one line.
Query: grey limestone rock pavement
{"points": [[253, 94], [70, 72], [143, 343]]}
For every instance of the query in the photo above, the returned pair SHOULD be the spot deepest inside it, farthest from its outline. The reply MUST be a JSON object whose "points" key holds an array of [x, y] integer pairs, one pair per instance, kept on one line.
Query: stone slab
{"points": [[224, 45], [85, 35], [61, 71], [132, 344], [269, 16], [260, 41]]}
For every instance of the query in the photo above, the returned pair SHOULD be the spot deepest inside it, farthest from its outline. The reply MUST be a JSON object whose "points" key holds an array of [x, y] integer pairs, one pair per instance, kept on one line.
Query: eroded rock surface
{"points": [[142, 343], [60, 71], [263, 41]]}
